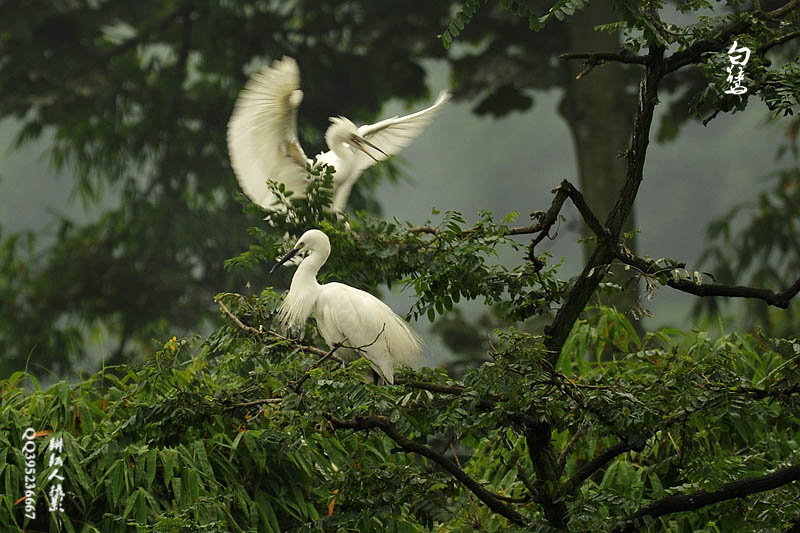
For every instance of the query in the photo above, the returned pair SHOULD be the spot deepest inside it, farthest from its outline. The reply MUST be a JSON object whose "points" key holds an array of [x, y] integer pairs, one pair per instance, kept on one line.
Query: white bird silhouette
{"points": [[345, 314], [263, 145]]}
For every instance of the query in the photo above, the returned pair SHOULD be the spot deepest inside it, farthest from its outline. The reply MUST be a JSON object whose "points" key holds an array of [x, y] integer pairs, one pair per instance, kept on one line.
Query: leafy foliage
{"points": [[183, 441]]}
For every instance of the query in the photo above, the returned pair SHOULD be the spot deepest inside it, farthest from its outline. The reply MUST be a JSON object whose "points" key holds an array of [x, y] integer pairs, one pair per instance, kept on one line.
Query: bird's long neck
{"points": [[305, 277], [337, 135], [304, 290]]}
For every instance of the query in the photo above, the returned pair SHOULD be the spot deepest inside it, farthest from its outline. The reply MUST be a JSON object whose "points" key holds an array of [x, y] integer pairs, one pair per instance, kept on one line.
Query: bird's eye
{"points": [[301, 244]]}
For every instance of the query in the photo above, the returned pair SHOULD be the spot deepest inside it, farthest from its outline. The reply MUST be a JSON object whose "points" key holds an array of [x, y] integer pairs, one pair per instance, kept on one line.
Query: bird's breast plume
{"points": [[296, 308]]}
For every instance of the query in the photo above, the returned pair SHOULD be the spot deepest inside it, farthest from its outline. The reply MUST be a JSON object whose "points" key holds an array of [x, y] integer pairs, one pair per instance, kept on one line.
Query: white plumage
{"points": [[263, 144], [345, 314]]}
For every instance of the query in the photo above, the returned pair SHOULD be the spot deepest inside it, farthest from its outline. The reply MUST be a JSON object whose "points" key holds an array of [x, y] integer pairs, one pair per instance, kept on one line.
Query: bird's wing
{"points": [[360, 319], [262, 132], [393, 134]]}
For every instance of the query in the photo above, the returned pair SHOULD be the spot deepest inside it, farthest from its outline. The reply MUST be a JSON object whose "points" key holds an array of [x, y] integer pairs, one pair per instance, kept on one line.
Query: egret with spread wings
{"points": [[263, 144]]}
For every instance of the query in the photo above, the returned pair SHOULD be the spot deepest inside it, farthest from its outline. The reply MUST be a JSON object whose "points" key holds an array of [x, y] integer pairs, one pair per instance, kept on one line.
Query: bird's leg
{"points": [[376, 378]]}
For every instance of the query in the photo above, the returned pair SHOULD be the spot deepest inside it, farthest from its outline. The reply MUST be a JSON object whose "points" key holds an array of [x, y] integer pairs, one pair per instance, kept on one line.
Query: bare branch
{"points": [[236, 320], [583, 208], [779, 299], [493, 501], [689, 502], [548, 219], [598, 58]]}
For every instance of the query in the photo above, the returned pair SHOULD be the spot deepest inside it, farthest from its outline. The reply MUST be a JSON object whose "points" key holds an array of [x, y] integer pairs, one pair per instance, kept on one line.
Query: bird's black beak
{"points": [[284, 259], [358, 142]]}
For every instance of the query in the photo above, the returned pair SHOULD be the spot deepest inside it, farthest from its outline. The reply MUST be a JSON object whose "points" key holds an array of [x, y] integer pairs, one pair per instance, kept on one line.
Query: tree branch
{"points": [[784, 10], [540, 451], [522, 230], [593, 466], [251, 403], [540, 446], [586, 283], [236, 320], [583, 208], [602, 57], [487, 403], [493, 501], [689, 502], [779, 299], [295, 385], [777, 41], [562, 457], [598, 58], [432, 387], [261, 331], [695, 52], [547, 220]]}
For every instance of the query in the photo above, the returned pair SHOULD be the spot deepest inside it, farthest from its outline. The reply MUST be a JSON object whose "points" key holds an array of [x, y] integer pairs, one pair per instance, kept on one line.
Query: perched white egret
{"points": [[345, 314], [263, 145]]}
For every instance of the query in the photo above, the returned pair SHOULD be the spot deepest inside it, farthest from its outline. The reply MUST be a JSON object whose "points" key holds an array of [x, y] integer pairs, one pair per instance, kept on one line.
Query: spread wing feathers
{"points": [[393, 134], [262, 133], [347, 314]]}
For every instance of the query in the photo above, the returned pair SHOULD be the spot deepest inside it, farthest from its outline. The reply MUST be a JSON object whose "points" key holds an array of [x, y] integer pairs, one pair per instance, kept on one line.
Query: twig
{"points": [[455, 455], [251, 403], [562, 457], [295, 385], [549, 218], [262, 331], [593, 466], [711, 117], [236, 320]]}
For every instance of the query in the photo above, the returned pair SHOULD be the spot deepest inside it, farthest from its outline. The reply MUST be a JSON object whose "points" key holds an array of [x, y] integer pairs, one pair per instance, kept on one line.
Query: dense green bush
{"points": [[244, 432]]}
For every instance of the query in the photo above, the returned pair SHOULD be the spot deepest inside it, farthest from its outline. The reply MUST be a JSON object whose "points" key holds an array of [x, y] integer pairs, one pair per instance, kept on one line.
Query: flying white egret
{"points": [[263, 145], [345, 314]]}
